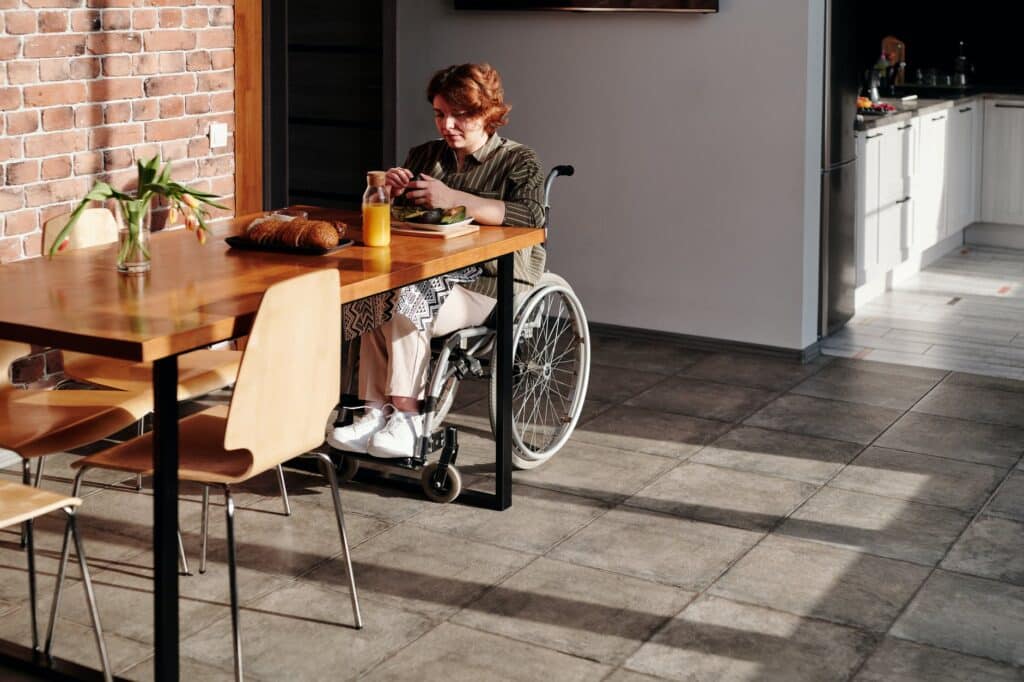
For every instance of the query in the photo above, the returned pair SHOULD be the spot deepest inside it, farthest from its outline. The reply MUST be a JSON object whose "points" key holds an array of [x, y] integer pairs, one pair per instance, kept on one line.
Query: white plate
{"points": [[431, 227]]}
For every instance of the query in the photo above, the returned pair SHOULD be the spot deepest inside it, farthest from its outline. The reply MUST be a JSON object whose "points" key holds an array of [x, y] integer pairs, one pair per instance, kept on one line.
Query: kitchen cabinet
{"points": [[1003, 163], [885, 164], [929, 184], [962, 167]]}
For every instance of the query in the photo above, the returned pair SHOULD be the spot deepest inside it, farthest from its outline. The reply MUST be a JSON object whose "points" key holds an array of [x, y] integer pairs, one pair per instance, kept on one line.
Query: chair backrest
{"points": [[289, 378], [94, 227]]}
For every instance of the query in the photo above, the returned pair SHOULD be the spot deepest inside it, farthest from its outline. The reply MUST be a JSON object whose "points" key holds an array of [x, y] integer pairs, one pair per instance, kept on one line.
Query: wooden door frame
{"points": [[248, 106]]}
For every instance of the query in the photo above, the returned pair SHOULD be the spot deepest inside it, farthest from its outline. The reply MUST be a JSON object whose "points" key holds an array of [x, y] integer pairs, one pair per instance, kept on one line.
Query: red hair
{"points": [[475, 89]]}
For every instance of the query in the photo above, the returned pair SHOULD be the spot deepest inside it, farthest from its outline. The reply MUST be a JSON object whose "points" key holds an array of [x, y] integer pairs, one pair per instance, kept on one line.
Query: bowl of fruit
{"points": [[866, 106]]}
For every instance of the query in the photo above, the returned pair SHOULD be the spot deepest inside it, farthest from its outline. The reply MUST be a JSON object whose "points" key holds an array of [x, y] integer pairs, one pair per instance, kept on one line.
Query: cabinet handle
{"points": [[938, 118], [965, 109], [871, 137], [1009, 106], [906, 127], [903, 200]]}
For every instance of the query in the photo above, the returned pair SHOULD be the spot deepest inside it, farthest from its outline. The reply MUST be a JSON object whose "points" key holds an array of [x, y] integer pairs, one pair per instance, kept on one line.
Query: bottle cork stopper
{"points": [[375, 178]]}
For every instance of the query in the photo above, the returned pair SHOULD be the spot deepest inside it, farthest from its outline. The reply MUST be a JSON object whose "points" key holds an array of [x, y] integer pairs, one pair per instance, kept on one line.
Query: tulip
{"points": [[190, 200], [64, 244], [172, 215], [201, 235], [191, 222]]}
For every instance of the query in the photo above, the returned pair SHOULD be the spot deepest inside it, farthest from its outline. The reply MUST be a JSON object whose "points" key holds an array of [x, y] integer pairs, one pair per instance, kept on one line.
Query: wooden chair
{"points": [[22, 504], [287, 387], [199, 372]]}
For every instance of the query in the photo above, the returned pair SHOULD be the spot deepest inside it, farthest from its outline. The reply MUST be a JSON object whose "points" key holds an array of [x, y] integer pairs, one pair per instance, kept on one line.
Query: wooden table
{"points": [[197, 295]]}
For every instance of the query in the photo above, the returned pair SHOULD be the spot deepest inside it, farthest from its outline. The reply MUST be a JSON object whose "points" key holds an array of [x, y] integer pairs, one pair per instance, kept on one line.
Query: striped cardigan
{"points": [[503, 170]]}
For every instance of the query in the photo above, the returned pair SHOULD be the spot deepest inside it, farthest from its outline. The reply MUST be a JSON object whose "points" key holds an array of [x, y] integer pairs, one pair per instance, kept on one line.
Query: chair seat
{"points": [[202, 457], [19, 503], [36, 422], [199, 372]]}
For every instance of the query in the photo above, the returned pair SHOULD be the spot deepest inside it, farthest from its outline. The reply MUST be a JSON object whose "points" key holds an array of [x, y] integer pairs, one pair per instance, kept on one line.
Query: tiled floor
{"points": [[715, 517], [963, 313]]}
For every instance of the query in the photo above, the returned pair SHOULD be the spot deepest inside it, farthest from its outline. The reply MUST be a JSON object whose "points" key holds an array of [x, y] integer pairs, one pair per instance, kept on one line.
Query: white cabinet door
{"points": [[892, 194], [1002, 199], [868, 150], [961, 174], [929, 190]]}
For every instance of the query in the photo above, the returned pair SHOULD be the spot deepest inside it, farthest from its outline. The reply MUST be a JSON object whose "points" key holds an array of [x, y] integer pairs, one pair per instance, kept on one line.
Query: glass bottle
{"points": [[376, 211]]}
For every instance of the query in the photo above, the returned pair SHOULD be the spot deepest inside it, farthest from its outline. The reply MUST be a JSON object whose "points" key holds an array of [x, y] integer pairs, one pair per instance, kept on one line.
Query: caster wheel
{"points": [[444, 493], [348, 468]]}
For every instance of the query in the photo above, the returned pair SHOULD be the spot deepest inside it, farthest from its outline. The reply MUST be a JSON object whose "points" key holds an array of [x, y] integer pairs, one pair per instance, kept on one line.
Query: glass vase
{"points": [[133, 248]]}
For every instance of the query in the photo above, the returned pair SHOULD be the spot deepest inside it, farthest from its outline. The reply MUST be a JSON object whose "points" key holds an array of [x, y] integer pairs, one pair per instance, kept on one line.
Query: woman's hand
{"points": [[397, 180], [430, 192]]}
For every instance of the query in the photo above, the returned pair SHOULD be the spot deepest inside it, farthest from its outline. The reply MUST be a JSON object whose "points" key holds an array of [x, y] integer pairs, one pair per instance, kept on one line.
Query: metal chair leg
{"points": [[182, 560], [61, 569], [284, 491], [332, 477], [140, 431], [138, 483], [205, 532], [39, 471], [30, 554], [229, 511], [90, 597]]}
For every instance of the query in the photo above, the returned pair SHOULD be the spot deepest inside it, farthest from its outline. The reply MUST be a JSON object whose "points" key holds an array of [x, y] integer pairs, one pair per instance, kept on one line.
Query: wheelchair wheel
{"points": [[444, 493], [550, 370]]}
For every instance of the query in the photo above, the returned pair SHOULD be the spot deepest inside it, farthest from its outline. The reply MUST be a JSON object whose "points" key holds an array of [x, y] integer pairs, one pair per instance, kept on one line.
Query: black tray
{"points": [[238, 242]]}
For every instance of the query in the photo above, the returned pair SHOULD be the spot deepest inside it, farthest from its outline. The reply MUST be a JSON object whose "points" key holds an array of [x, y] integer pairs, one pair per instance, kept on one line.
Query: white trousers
{"points": [[394, 357]]}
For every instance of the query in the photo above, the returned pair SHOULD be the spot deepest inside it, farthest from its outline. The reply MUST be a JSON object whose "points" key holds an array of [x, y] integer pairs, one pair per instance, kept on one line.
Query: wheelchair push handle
{"points": [[565, 170]]}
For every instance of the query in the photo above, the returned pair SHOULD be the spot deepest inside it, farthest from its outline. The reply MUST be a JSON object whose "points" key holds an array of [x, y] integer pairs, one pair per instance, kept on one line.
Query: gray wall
{"points": [[696, 142]]}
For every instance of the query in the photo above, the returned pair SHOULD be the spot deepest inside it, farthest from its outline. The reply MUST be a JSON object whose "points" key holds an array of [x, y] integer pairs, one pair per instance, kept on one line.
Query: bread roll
{"points": [[297, 233]]}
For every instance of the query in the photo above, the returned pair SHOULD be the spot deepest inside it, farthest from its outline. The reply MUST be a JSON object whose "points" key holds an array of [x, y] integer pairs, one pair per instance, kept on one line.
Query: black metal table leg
{"points": [[165, 517], [503, 432]]}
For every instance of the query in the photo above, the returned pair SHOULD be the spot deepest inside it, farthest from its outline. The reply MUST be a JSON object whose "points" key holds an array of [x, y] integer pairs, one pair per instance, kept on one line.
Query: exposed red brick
{"points": [[170, 18], [53, 22], [171, 3], [144, 152], [118, 112], [88, 115], [118, 65], [56, 167], [222, 101], [199, 61], [117, 20], [71, 45], [23, 172], [48, 144], [114, 159], [32, 245], [56, 93], [107, 89], [110, 3], [197, 104], [20, 23], [115, 136], [144, 64], [10, 249], [21, 122], [9, 48], [172, 62], [170, 85], [223, 59], [218, 165], [217, 37], [144, 110], [55, 210], [11, 199], [159, 131], [172, 107], [58, 190], [125, 179], [22, 73], [222, 16], [41, 4], [158, 41], [10, 98], [198, 146], [109, 43], [172, 151], [54, 69], [85, 67], [88, 163], [86, 20], [58, 118], [22, 222], [216, 80], [196, 17], [144, 19]]}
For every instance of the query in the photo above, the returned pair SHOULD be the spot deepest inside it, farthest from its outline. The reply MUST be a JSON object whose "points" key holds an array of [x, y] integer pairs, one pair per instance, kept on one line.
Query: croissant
{"points": [[299, 233]]}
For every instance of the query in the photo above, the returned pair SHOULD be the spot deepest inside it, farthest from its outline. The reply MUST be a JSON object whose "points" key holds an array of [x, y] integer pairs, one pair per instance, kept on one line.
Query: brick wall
{"points": [[87, 87]]}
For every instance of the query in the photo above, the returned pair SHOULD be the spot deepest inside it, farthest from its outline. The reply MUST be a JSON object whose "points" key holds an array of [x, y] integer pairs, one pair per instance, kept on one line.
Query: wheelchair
{"points": [[550, 372]]}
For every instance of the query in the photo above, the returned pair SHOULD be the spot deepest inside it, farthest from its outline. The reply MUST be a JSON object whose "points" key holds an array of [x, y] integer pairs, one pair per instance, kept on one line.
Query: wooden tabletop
{"points": [[200, 294]]}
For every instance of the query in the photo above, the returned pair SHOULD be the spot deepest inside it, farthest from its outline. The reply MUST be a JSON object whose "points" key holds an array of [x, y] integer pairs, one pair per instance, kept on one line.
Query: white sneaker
{"points": [[356, 436], [399, 438]]}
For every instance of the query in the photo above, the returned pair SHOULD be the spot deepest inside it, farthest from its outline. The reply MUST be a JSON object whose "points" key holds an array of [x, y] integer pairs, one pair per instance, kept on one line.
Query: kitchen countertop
{"points": [[920, 107]]}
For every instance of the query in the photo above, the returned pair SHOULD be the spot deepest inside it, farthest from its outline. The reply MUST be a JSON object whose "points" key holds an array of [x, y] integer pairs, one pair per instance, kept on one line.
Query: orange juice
{"points": [[376, 224]]}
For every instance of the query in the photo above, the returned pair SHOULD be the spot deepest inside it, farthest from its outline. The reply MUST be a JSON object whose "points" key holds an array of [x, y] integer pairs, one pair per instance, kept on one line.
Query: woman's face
{"points": [[461, 132]]}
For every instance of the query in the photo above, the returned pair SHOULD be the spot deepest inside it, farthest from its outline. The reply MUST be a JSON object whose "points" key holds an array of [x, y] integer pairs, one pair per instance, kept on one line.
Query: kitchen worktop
{"points": [[921, 107]]}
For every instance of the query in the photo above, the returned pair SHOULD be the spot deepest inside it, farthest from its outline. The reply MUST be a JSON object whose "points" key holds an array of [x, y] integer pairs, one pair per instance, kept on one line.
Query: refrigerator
{"points": [[838, 275]]}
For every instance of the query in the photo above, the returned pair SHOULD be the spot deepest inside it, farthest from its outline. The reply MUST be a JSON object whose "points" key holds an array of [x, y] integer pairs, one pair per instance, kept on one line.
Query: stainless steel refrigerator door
{"points": [[838, 276], [842, 84]]}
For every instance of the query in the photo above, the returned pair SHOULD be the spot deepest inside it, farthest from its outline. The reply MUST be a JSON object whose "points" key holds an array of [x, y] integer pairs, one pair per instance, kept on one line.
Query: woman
{"points": [[500, 182]]}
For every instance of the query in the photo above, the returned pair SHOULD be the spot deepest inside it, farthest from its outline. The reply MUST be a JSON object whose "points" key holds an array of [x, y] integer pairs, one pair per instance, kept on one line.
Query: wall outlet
{"points": [[218, 135]]}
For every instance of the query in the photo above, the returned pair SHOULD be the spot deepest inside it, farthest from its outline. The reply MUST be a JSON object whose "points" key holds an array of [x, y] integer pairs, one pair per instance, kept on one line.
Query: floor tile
{"points": [[649, 431], [704, 399], [620, 675], [1007, 500], [188, 669], [890, 370], [658, 547], [582, 611], [981, 381], [595, 471], [897, 660], [726, 496], [999, 446], [756, 371], [877, 525], [920, 478], [868, 388], [990, 548], [459, 654], [616, 384], [537, 520], [776, 453], [809, 579], [984, 405], [717, 639], [419, 570], [967, 614], [645, 355], [825, 418], [301, 632]]}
